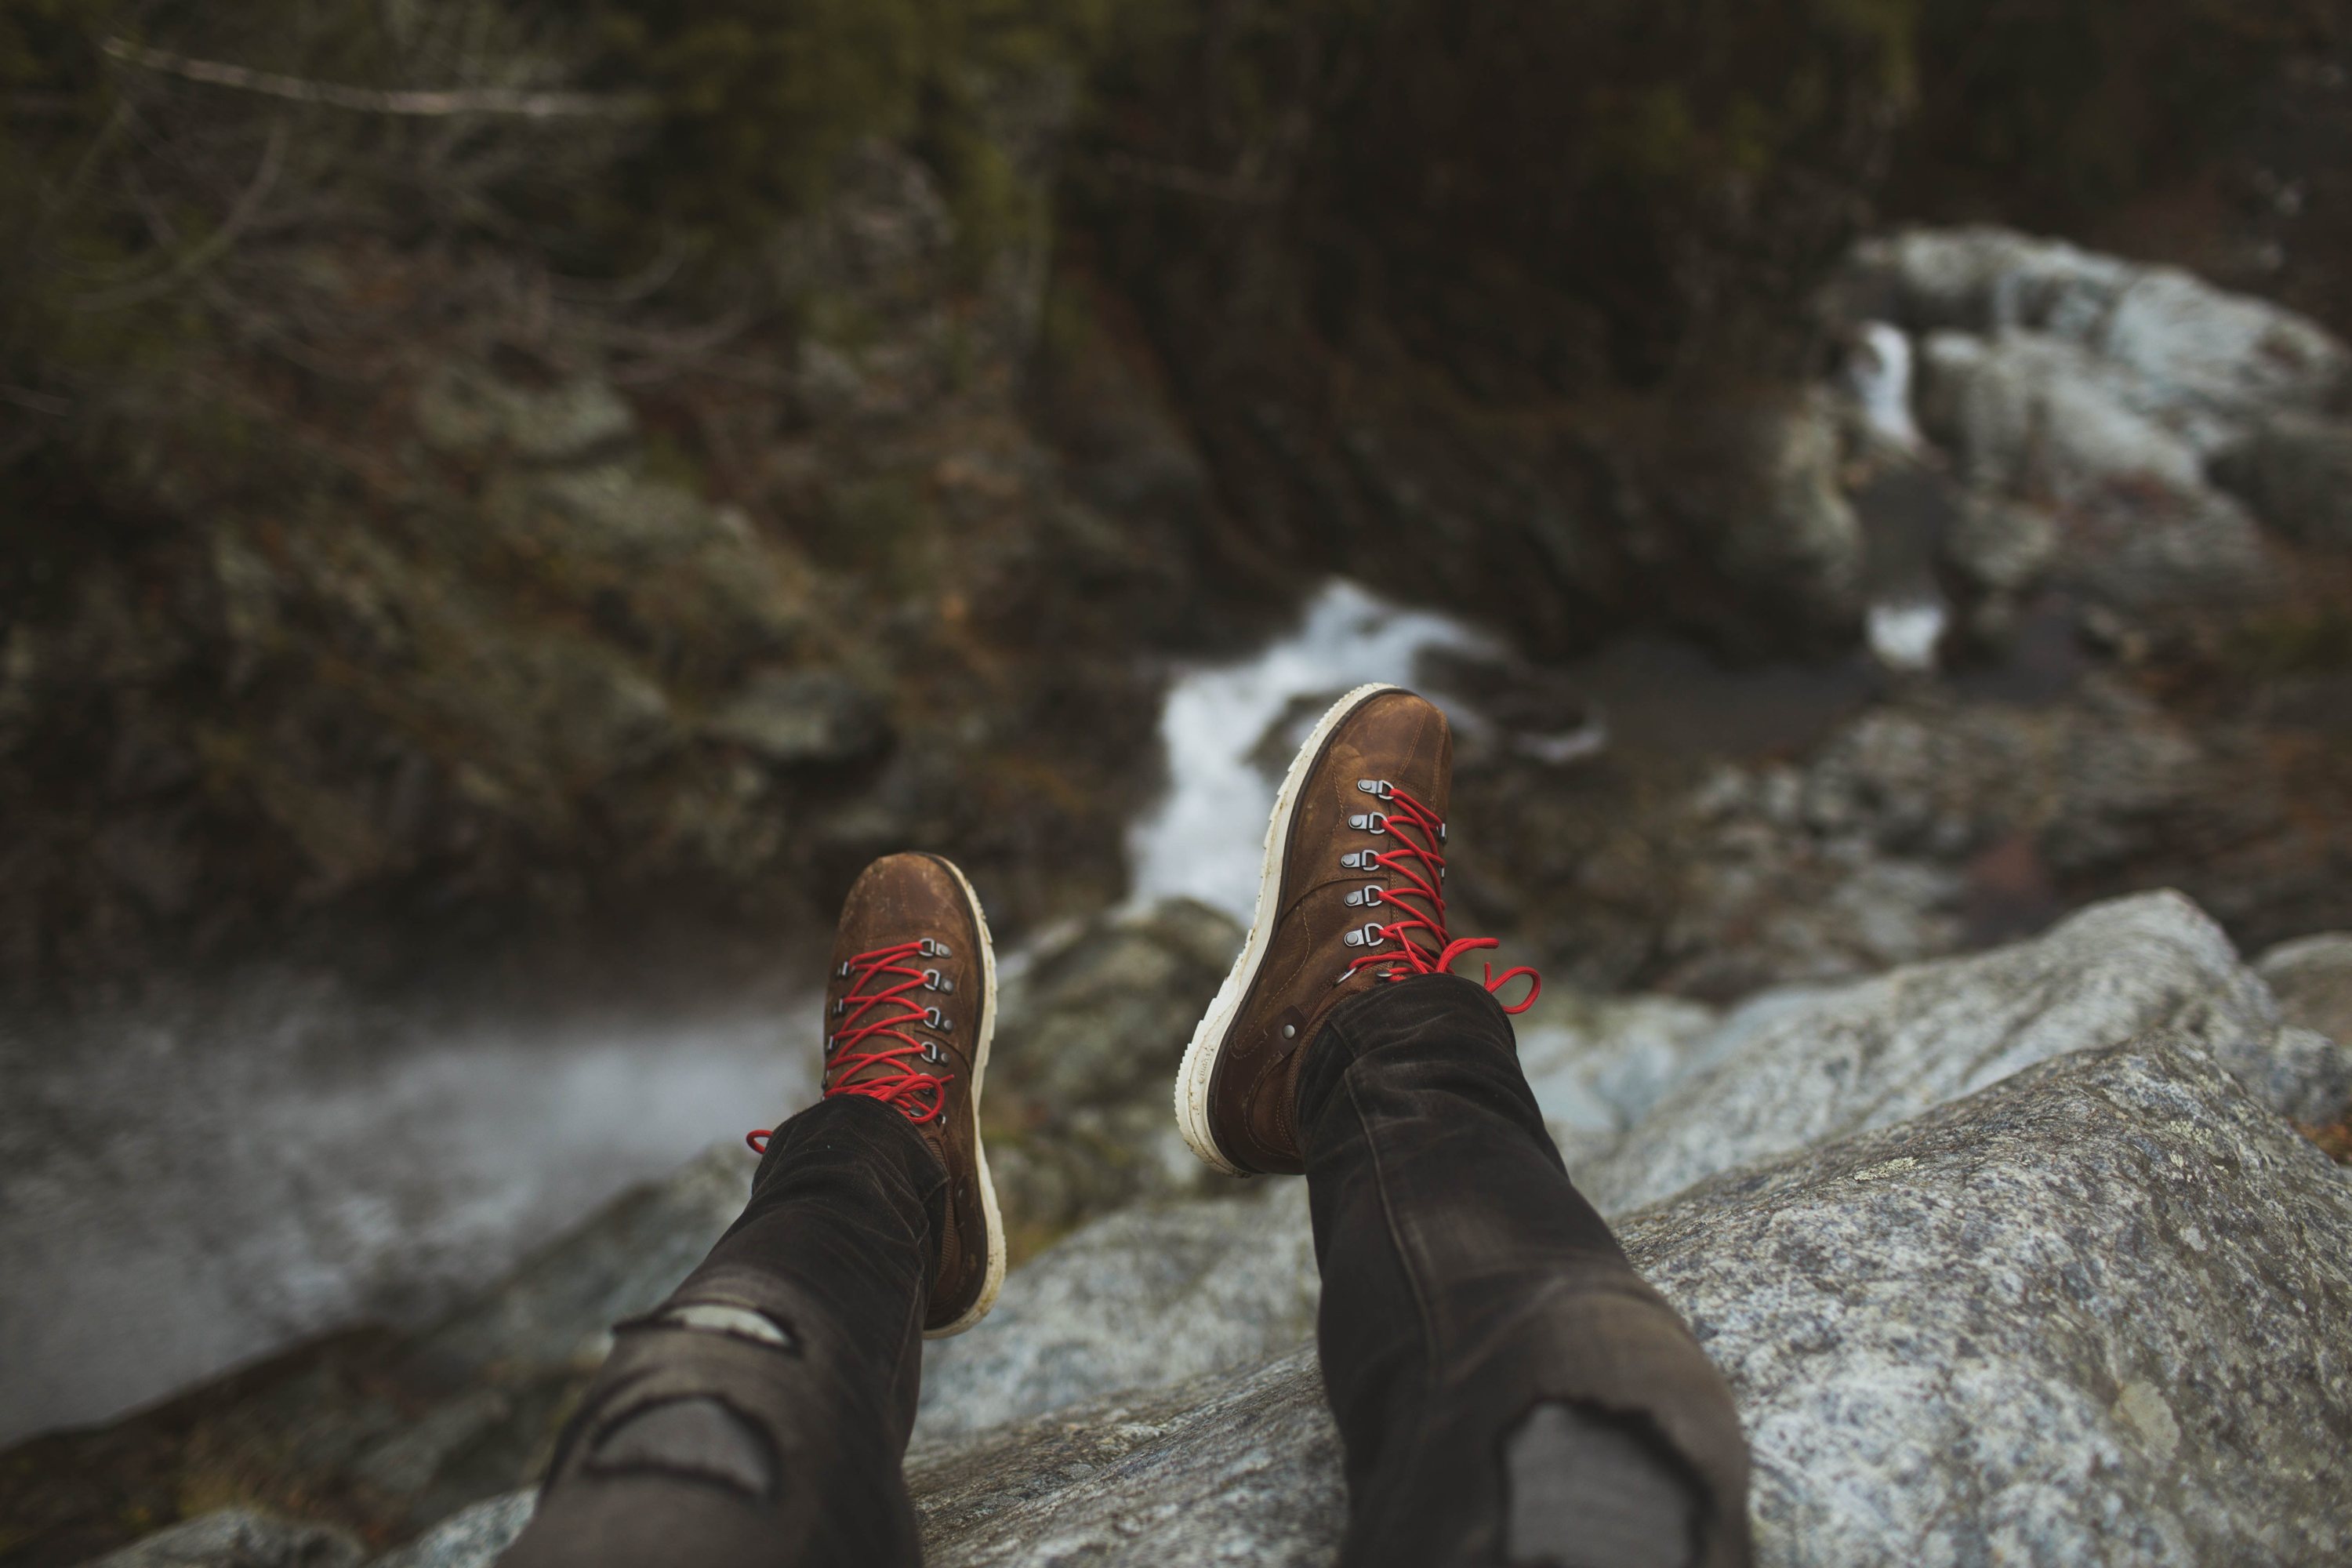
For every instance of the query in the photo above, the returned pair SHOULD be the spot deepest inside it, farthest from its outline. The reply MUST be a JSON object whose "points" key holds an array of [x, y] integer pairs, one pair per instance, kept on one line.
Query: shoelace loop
{"points": [[905, 1087], [1422, 869]]}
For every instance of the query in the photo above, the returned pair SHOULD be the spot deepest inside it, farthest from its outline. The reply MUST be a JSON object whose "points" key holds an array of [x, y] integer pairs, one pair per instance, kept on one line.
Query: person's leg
{"points": [[1507, 1389], [758, 1416]]}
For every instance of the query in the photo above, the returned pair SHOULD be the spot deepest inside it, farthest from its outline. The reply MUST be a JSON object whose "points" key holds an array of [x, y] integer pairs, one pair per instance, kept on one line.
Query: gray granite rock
{"points": [[238, 1537], [1238, 1470], [471, 1538], [558, 1308], [2027, 411], [2082, 1317], [2033, 416], [1096, 1016], [2105, 389], [1597, 1064], [1803, 543], [1144, 1298], [2312, 978], [2295, 471], [2086, 1315], [796, 717], [2197, 359], [2308, 1078], [1872, 1053]]}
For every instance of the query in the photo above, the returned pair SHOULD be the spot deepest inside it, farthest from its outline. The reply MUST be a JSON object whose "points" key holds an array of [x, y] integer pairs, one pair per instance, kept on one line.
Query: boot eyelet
{"points": [[842, 973], [1378, 788], [840, 1007], [1368, 822], [938, 1020], [1369, 936], [932, 949], [932, 1054], [932, 981], [1364, 898]]}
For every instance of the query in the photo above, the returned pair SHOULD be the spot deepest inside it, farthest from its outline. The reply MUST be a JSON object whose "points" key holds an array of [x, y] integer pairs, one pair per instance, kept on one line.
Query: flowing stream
{"points": [[193, 1181], [1206, 839]]}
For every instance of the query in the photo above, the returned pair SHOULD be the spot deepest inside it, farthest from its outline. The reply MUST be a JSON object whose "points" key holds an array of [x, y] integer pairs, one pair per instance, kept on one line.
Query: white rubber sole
{"points": [[1200, 1069], [995, 1280]]}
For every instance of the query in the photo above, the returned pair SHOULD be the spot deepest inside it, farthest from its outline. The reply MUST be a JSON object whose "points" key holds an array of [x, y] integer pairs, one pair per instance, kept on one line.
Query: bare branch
{"points": [[208, 250], [527, 105]]}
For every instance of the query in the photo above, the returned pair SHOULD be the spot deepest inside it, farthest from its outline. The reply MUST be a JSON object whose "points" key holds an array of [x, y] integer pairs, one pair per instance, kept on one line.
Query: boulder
{"points": [[802, 717], [2103, 390], [2312, 978], [2295, 472], [1923, 826], [557, 1309], [1981, 279], [1240, 1469], [470, 1537], [1597, 1064], [239, 1538], [2025, 413], [2039, 1324], [1096, 1018], [1872, 1053], [2198, 360], [1144, 1298], [1801, 546], [2086, 1315], [2033, 417], [1999, 546]]}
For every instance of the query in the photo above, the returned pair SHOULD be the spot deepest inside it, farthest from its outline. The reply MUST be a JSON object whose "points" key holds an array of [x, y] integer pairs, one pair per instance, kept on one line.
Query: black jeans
{"points": [[1508, 1390]]}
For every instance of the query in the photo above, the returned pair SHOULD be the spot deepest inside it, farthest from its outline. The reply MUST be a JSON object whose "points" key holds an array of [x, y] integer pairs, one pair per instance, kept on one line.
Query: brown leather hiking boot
{"points": [[910, 1009], [1352, 894]]}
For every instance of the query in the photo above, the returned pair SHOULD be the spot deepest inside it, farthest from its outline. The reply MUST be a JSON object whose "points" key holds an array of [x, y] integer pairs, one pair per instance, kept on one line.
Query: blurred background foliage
{"points": [[828, 278], [2048, 112], [1625, 143]]}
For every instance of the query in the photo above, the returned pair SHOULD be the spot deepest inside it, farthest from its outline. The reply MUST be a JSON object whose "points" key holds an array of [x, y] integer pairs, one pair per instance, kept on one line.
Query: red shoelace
{"points": [[893, 1011], [1422, 869]]}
